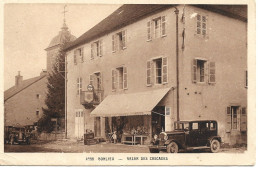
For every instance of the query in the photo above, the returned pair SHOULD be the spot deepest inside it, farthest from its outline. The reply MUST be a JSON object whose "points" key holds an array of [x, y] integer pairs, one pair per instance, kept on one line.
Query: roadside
{"points": [[72, 146]]}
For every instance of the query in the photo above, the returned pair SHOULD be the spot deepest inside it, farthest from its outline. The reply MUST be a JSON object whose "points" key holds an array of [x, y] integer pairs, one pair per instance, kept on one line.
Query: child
{"points": [[114, 136]]}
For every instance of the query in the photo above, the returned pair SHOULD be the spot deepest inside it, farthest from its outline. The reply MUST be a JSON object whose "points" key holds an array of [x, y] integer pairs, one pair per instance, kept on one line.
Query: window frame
{"points": [[199, 24]]}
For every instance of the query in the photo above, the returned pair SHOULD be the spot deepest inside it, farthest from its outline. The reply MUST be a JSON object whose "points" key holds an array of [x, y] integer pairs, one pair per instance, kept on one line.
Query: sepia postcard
{"points": [[128, 83]]}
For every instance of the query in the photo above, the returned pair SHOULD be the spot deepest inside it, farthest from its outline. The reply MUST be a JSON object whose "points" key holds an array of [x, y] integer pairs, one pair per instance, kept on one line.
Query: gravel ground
{"points": [[70, 146]]}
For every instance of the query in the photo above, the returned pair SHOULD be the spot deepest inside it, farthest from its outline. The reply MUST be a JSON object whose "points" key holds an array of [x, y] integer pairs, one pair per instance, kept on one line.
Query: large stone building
{"points": [[23, 102], [131, 57]]}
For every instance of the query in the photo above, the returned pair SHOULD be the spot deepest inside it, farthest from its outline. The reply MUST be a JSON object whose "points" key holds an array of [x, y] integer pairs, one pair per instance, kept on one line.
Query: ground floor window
{"points": [[236, 118]]}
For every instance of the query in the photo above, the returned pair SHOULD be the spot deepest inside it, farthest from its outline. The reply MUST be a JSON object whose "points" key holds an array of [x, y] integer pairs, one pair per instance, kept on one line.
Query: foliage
{"points": [[55, 99]]}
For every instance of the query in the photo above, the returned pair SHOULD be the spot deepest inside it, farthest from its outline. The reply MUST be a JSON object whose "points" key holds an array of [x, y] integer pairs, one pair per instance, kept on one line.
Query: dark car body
{"points": [[188, 135], [19, 135]]}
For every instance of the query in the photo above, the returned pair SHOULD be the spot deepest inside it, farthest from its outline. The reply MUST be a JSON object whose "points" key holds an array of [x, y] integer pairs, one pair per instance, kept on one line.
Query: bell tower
{"points": [[55, 44]]}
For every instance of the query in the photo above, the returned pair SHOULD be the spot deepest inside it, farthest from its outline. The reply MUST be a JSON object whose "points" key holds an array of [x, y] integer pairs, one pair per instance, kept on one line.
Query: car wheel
{"points": [[154, 151], [214, 146], [172, 148]]}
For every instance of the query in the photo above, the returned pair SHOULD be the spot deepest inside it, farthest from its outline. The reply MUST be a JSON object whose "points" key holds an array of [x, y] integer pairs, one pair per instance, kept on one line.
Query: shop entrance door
{"points": [[158, 120], [97, 127]]}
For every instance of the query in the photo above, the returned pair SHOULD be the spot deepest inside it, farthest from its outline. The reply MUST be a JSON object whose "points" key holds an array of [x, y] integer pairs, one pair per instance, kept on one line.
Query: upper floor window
{"points": [[79, 55], [96, 49], [156, 28], [201, 25], [96, 80], [119, 41], [79, 85], [203, 70], [119, 78], [38, 96], [37, 112], [157, 71]]}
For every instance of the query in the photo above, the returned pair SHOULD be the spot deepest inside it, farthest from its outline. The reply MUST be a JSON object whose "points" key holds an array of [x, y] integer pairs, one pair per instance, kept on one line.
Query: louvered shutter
{"points": [[82, 54], [91, 79], [80, 84], [164, 70], [113, 80], [163, 26], [75, 57], [149, 34], [243, 119], [124, 39], [194, 71], [125, 78], [100, 48], [92, 51], [212, 72], [100, 80], [228, 119], [113, 43], [246, 79], [148, 73]]}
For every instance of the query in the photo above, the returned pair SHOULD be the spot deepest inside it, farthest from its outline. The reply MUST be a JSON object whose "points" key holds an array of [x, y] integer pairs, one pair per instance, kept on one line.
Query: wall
{"points": [[226, 45], [134, 57], [22, 107]]}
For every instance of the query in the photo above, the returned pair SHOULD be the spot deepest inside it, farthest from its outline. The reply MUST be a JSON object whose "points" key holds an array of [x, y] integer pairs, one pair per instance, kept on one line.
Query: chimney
{"points": [[18, 79], [43, 72]]}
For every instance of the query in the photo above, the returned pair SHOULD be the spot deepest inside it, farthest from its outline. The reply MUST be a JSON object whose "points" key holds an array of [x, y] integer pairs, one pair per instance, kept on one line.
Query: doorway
{"points": [[97, 127], [158, 120]]}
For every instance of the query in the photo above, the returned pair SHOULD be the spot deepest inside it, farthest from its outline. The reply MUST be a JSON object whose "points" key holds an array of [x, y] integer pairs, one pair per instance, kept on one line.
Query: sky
{"points": [[29, 28]]}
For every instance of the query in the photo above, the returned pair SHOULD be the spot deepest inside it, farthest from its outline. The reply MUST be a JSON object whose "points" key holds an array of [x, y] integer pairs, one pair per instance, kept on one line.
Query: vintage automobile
{"points": [[188, 135], [19, 135]]}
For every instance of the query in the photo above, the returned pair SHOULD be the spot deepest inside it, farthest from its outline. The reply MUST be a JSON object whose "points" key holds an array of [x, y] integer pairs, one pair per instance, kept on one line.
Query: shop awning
{"points": [[141, 103]]}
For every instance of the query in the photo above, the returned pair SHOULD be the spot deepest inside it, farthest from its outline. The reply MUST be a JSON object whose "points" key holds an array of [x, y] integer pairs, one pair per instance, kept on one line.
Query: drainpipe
{"points": [[177, 61], [66, 97]]}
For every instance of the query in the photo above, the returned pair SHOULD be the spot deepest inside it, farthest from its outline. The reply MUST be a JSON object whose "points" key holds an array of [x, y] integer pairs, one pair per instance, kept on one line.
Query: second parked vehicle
{"points": [[188, 135]]}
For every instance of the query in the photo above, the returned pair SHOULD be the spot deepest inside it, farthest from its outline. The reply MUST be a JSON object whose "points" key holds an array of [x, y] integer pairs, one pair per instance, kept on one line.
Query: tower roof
{"points": [[57, 40]]}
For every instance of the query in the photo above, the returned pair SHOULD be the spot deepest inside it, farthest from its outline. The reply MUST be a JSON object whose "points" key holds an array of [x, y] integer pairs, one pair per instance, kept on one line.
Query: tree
{"points": [[55, 99]]}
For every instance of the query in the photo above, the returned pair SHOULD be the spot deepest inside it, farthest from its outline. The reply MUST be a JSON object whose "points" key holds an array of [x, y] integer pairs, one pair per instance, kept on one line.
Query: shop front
{"points": [[134, 117]]}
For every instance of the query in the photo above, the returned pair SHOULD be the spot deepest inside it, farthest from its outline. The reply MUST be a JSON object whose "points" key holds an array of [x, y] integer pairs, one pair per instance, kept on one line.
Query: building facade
{"points": [[23, 102], [130, 59]]}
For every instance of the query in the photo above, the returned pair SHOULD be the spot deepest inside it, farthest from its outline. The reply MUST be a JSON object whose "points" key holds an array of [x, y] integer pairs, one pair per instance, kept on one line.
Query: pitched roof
{"points": [[123, 16], [23, 85], [130, 13]]}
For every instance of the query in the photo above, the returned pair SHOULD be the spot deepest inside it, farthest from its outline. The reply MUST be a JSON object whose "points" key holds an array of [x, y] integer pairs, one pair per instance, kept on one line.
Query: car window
{"points": [[213, 126], [195, 126], [186, 126]]}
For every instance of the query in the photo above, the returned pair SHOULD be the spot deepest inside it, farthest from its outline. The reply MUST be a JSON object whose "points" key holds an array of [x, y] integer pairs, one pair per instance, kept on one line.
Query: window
{"points": [[202, 71], [195, 126], [159, 28], [119, 75], [213, 126], [119, 41], [236, 118], [201, 25], [79, 55], [38, 96], [79, 85], [158, 68], [158, 71], [96, 80], [37, 112], [96, 49]]}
